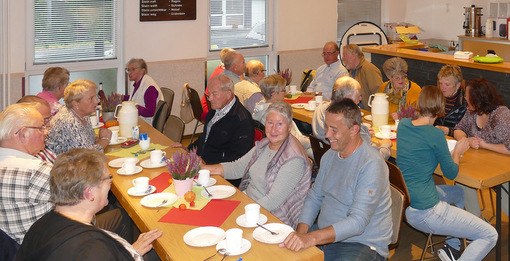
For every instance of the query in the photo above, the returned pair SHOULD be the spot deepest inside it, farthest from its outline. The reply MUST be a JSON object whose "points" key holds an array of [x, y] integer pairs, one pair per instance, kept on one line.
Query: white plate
{"points": [[119, 141], [148, 164], [112, 128], [154, 200], [264, 236], [362, 113], [219, 192], [204, 236], [379, 135], [241, 220], [121, 171], [245, 246], [368, 125], [297, 92], [368, 117], [132, 192], [308, 108], [98, 125], [211, 182], [117, 163], [299, 105]]}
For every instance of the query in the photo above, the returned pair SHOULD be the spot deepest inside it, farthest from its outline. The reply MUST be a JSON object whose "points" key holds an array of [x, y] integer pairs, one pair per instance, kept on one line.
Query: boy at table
{"points": [[351, 195]]}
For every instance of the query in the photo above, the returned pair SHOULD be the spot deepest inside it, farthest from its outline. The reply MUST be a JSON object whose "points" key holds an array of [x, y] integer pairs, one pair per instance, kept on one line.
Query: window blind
{"points": [[74, 30]]}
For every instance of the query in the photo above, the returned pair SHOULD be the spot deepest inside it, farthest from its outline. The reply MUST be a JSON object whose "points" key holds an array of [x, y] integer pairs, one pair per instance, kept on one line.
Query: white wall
{"points": [[440, 19]]}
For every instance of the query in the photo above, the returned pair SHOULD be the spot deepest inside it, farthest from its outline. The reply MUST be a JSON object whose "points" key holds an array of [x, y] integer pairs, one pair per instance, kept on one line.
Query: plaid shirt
{"points": [[24, 191]]}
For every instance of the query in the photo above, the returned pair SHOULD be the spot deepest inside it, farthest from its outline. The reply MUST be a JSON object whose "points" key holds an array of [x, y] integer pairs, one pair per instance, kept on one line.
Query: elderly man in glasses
{"points": [[327, 74], [22, 132]]}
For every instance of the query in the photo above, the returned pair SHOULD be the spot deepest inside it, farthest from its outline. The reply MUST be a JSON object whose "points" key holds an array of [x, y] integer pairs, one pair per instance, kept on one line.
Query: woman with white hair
{"points": [[276, 172], [71, 126]]}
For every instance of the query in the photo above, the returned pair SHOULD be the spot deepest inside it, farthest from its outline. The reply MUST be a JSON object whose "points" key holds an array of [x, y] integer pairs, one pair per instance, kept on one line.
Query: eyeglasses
{"points": [[329, 54], [107, 178], [400, 78], [128, 70], [32, 127]]}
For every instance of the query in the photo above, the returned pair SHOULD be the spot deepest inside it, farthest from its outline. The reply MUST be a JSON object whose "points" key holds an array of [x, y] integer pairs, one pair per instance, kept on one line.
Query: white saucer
{"points": [[133, 193], [219, 192], [298, 105], [245, 246], [265, 236], [98, 125], [368, 117], [121, 171], [154, 200], [119, 141], [379, 135], [368, 125], [204, 236], [211, 182], [117, 163], [296, 93], [112, 128], [362, 113], [241, 220], [148, 164]]}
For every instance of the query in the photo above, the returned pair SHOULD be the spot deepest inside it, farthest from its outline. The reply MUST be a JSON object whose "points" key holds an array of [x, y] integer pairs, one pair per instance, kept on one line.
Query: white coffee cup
{"points": [[145, 144], [251, 214], [234, 239], [93, 120], [141, 184], [157, 156], [312, 105], [385, 131], [115, 136], [203, 177], [451, 145], [318, 99], [129, 165], [293, 89]]}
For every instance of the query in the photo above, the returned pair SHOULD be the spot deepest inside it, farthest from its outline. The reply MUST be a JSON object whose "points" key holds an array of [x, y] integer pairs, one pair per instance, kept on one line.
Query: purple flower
{"points": [[184, 164]]}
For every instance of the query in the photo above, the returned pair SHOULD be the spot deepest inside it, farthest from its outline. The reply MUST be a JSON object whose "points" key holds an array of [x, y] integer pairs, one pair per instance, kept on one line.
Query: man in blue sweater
{"points": [[351, 195]]}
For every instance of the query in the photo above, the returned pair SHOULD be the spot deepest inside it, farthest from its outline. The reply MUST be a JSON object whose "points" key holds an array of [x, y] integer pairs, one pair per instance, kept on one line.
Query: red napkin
{"points": [[300, 99], [213, 214], [161, 181]]}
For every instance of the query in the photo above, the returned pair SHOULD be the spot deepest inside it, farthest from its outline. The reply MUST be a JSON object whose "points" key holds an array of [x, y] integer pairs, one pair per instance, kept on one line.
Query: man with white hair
{"points": [[24, 188], [346, 87]]}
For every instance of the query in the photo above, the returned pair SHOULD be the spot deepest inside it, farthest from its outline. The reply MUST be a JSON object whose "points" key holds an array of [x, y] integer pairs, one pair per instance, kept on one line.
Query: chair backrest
{"points": [[8, 246], [306, 79], [196, 105], [398, 181], [168, 96], [319, 147], [397, 214], [174, 128], [260, 131], [160, 116]]}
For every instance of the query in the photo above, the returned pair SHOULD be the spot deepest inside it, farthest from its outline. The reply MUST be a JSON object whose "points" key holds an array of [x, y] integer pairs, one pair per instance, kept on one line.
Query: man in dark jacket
{"points": [[228, 130]]}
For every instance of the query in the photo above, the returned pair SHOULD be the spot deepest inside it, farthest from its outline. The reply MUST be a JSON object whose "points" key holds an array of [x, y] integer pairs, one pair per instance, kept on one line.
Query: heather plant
{"points": [[184, 164]]}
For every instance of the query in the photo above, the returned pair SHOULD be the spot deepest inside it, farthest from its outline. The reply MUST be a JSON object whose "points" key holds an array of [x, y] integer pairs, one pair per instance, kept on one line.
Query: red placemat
{"points": [[301, 99], [161, 181], [213, 214]]}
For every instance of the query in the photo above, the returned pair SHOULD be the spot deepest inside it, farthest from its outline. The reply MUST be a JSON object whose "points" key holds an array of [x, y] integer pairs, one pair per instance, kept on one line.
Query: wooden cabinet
{"points": [[480, 45]]}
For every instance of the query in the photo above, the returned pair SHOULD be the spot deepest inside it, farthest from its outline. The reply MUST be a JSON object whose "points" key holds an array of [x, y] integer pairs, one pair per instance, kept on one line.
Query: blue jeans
{"points": [[349, 251], [444, 219]]}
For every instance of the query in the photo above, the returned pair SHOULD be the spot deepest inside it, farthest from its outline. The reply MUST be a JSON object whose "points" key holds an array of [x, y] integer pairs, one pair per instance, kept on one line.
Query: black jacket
{"points": [[231, 137], [455, 115]]}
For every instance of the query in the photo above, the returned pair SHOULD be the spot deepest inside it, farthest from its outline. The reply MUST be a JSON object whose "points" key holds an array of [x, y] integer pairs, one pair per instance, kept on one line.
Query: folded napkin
{"points": [[213, 214], [123, 153], [300, 99]]}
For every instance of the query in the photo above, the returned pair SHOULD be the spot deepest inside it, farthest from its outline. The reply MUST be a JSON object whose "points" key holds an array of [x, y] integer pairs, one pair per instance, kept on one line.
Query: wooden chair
{"points": [[397, 214], [168, 96], [306, 79], [260, 132], [160, 116], [319, 147], [174, 128], [196, 107]]}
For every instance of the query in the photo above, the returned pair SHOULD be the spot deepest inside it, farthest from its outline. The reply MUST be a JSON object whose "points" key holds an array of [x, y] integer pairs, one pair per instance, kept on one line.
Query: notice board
{"points": [[167, 10]]}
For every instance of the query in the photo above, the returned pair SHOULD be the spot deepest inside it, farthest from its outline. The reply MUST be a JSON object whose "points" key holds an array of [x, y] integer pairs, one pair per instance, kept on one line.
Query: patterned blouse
{"points": [[67, 132], [496, 131]]}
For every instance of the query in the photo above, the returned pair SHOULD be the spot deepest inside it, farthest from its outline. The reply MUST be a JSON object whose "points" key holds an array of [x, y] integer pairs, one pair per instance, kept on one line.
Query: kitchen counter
{"points": [[407, 51]]}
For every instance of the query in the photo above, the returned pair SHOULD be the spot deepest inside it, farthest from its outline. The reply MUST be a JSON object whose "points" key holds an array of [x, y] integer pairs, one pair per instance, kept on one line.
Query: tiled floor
{"points": [[412, 241]]}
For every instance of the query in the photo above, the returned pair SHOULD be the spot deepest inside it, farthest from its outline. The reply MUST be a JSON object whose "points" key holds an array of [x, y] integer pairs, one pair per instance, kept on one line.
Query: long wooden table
{"points": [[479, 169], [171, 245]]}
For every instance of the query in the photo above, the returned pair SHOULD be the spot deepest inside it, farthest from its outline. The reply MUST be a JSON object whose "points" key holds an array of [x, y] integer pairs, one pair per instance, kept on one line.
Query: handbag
{"points": [[186, 110]]}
